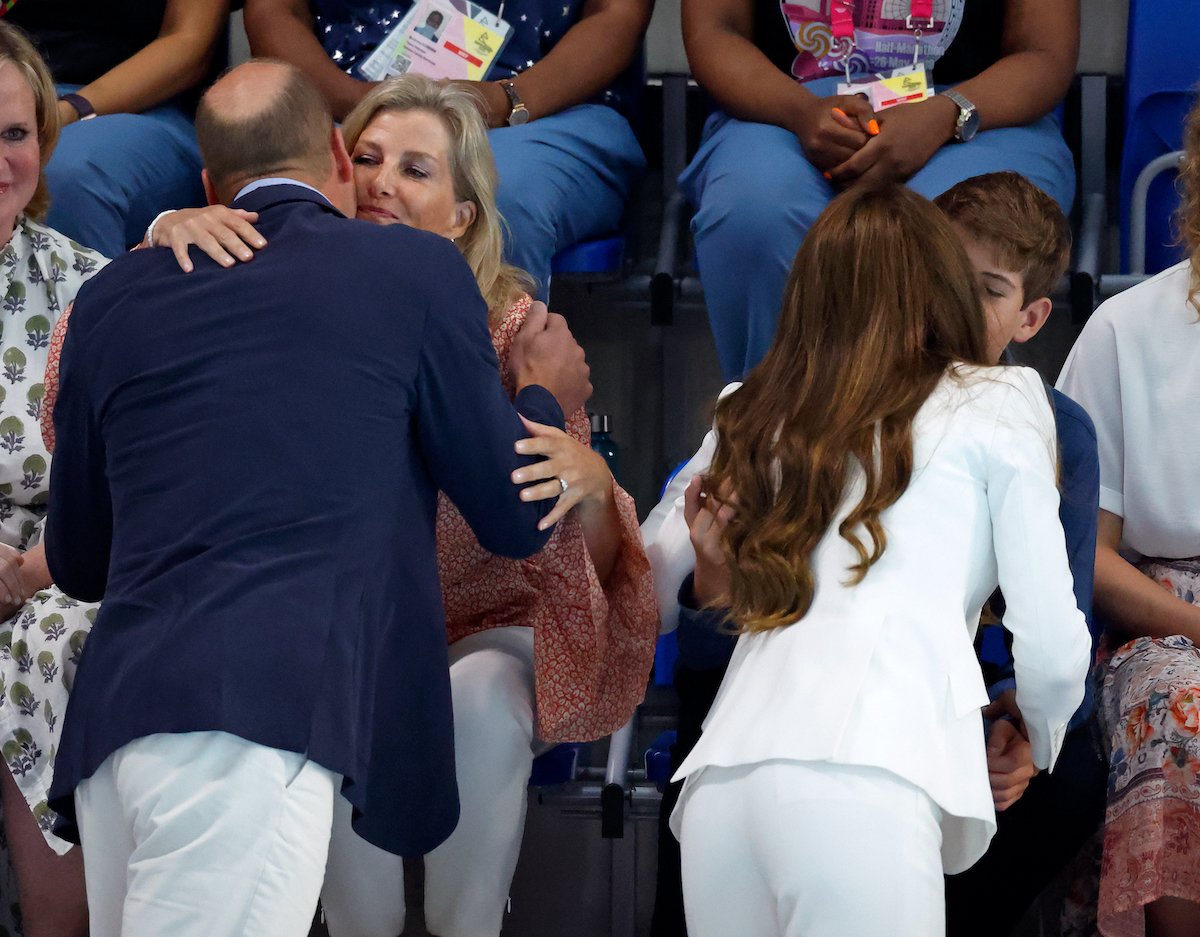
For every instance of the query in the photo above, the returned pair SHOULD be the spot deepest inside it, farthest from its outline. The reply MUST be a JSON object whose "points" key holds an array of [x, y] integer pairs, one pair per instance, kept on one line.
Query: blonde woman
{"points": [[42, 632], [550, 649]]}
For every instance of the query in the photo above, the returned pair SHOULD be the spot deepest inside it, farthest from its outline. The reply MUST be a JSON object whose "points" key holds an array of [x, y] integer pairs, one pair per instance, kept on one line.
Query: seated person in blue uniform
{"points": [[126, 73], [557, 99], [782, 141], [1019, 244]]}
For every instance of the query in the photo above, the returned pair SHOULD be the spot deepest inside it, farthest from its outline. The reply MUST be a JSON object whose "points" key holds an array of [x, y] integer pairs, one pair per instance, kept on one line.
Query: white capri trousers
{"points": [[467, 877], [810, 849], [203, 834]]}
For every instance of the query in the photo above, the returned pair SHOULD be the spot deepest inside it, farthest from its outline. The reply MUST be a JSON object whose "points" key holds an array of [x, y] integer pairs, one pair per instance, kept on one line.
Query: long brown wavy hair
{"points": [[881, 302], [1188, 218]]}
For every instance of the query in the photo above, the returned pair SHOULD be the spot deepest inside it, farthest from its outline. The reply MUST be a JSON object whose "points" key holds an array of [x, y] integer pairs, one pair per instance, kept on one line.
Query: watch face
{"points": [[519, 115], [969, 127]]}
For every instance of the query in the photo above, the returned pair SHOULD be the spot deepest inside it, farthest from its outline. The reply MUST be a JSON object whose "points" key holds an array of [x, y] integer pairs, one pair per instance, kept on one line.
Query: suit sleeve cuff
{"points": [[536, 403]]}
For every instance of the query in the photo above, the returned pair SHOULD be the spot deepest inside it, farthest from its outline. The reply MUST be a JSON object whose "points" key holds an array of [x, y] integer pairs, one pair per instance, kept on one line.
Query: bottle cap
{"points": [[600, 422]]}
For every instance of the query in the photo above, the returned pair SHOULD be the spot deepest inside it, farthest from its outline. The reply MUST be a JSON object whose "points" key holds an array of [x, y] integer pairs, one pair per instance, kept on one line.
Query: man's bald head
{"points": [[261, 119]]}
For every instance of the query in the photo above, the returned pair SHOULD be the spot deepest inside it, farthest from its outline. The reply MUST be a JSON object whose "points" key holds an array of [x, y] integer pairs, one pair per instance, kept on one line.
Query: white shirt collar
{"points": [[278, 180]]}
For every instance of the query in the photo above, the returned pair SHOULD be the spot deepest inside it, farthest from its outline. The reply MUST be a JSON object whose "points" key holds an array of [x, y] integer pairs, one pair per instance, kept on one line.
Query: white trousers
{"points": [[810, 849], [467, 877], [204, 834]]}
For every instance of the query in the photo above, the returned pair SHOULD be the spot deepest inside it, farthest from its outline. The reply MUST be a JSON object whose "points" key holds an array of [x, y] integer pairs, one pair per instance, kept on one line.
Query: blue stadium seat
{"points": [[658, 758], [601, 256], [1161, 71], [557, 766]]}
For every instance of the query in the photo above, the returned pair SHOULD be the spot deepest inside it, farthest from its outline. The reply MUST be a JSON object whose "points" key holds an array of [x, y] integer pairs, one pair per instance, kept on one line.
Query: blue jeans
{"points": [[756, 196], [111, 175], [563, 179]]}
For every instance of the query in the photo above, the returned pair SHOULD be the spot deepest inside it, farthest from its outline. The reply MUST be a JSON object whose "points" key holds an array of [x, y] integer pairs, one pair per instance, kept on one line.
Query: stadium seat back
{"points": [[1162, 68]]}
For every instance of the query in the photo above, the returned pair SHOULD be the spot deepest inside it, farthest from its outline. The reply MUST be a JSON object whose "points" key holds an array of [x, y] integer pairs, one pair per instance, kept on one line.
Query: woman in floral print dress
{"points": [[554, 648], [1136, 368], [42, 631]]}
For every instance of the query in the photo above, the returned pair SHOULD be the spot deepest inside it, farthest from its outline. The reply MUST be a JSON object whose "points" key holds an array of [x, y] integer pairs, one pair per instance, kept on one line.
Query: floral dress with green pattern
{"points": [[40, 273]]}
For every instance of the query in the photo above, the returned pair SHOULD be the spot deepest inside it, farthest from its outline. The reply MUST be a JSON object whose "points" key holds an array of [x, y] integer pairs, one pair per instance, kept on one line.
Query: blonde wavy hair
{"points": [[1187, 220], [471, 166], [880, 304], [15, 47]]}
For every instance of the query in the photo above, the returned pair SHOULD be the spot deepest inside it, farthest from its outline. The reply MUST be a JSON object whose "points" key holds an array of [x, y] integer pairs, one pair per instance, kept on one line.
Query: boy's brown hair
{"points": [[1020, 222]]}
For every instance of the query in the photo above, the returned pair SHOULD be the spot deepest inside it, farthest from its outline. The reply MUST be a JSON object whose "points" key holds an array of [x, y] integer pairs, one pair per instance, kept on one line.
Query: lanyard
{"points": [[841, 23], [6, 5]]}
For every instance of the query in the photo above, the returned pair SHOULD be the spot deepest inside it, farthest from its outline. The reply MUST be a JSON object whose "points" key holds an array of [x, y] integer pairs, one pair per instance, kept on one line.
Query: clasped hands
{"points": [[1009, 754], [852, 145]]}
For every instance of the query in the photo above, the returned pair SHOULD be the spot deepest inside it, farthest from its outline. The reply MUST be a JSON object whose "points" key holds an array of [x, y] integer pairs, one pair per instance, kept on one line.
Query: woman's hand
{"points": [[222, 233], [707, 519], [833, 130], [589, 482], [908, 137], [11, 588]]}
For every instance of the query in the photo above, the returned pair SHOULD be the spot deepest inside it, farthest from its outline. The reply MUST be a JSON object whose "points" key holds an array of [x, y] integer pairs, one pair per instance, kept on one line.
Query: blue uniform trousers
{"points": [[756, 195], [111, 175], [563, 179]]}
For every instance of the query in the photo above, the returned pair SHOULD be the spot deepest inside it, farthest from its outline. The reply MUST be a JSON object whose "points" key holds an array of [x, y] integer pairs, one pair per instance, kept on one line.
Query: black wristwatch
{"points": [[967, 124], [518, 113], [83, 107]]}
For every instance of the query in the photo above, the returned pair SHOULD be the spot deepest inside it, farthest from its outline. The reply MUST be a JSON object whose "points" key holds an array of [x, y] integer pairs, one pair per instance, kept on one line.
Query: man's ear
{"points": [[342, 164], [210, 190], [1033, 317]]}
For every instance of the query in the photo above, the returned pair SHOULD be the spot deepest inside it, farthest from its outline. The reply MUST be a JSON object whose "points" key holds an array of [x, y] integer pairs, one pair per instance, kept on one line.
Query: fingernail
{"points": [[542, 525], [839, 112], [827, 176], [873, 126], [526, 495], [517, 478]]}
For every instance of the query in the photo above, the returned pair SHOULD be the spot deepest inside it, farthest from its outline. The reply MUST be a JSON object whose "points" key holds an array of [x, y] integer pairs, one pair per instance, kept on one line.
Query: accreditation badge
{"points": [[887, 89], [443, 39]]}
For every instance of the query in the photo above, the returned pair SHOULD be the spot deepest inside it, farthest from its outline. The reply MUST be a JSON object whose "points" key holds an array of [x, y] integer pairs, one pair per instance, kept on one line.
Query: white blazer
{"points": [[884, 673]]}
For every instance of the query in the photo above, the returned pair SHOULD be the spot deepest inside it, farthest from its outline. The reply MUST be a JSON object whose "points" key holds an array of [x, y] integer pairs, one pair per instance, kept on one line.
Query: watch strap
{"points": [[82, 106], [518, 113], [965, 110]]}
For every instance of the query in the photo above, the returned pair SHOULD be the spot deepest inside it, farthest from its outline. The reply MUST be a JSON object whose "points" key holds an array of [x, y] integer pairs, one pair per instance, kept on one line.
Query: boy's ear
{"points": [[1033, 317]]}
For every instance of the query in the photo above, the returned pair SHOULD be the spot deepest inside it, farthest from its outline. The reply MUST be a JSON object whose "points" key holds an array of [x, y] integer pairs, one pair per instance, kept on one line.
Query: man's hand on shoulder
{"points": [[545, 352]]}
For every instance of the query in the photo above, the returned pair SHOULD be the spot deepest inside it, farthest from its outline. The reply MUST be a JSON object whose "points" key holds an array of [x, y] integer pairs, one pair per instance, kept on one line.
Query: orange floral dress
{"points": [[593, 644]]}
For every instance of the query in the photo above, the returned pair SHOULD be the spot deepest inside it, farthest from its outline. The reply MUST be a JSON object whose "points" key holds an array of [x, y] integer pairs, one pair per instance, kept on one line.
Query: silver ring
{"points": [[563, 484]]}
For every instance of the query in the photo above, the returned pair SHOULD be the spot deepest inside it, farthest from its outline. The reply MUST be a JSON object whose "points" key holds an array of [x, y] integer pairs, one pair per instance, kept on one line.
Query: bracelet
{"points": [[150, 230]]}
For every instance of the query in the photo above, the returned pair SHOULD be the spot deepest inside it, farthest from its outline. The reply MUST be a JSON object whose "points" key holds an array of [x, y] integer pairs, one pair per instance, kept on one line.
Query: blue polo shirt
{"points": [[350, 30]]}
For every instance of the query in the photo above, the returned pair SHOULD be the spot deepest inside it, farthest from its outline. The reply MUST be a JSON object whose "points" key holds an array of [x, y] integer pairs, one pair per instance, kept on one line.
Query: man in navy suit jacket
{"points": [[246, 473]]}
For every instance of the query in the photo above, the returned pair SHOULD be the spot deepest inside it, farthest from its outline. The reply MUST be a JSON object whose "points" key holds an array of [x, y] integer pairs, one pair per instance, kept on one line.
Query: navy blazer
{"points": [[247, 470]]}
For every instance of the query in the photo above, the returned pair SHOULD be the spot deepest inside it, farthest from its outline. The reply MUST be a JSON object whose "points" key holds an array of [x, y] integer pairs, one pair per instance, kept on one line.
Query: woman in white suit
{"points": [[859, 499]]}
